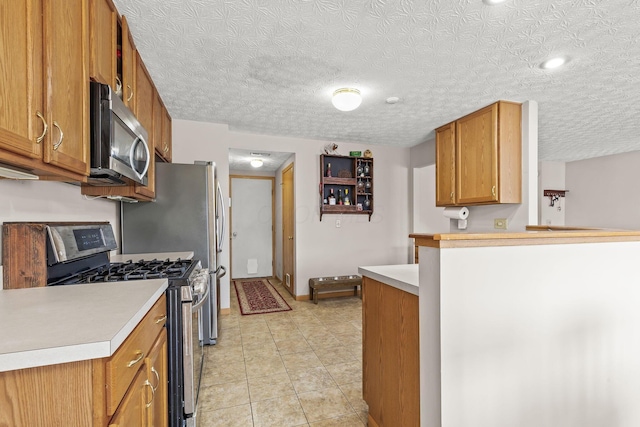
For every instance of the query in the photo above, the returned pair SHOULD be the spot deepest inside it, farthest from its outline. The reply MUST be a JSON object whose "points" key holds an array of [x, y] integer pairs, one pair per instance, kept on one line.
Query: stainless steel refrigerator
{"points": [[187, 215]]}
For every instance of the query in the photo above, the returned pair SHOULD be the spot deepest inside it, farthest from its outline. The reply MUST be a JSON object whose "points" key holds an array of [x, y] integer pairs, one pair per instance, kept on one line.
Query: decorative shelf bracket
{"points": [[554, 195]]}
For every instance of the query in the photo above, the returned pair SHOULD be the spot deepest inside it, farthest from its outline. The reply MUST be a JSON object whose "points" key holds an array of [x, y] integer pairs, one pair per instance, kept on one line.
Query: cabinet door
{"points": [[128, 66], [21, 78], [103, 29], [133, 409], [144, 112], [157, 124], [446, 165], [166, 135], [67, 88], [477, 162], [157, 374]]}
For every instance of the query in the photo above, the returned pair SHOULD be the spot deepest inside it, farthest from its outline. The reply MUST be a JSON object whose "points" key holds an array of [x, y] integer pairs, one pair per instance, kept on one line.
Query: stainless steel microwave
{"points": [[119, 149]]}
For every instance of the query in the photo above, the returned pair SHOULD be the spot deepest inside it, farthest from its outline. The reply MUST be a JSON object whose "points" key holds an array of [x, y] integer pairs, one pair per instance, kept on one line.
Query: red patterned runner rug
{"points": [[258, 297]]}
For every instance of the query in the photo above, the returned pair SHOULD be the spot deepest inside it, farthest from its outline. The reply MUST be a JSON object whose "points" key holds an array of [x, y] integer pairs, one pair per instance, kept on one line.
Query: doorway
{"points": [[252, 226], [288, 230]]}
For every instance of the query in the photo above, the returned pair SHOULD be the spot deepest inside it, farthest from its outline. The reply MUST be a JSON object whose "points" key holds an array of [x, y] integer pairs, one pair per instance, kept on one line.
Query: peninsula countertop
{"points": [[533, 235], [401, 276], [61, 324]]}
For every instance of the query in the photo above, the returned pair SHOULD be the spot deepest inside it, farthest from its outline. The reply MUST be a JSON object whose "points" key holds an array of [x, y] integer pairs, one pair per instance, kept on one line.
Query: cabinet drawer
{"points": [[127, 360]]}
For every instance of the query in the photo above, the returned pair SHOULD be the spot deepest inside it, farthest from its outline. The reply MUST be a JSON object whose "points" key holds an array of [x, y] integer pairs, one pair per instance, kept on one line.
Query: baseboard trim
{"points": [[225, 311], [371, 422]]}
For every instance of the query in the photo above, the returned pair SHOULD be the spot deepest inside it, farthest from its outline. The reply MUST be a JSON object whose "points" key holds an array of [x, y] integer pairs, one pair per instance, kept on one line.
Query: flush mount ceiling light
{"points": [[256, 163], [553, 63], [346, 99], [493, 2]]}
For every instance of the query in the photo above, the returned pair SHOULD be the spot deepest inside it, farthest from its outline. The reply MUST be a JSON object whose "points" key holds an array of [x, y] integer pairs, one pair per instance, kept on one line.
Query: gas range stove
{"points": [[132, 270]]}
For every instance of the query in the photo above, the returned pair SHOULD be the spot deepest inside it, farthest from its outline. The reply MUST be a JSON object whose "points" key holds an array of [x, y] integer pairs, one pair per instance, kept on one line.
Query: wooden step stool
{"points": [[334, 282]]}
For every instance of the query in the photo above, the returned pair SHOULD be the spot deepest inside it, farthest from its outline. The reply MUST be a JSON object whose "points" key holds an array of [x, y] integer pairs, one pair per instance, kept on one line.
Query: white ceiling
{"points": [[240, 160], [269, 66]]}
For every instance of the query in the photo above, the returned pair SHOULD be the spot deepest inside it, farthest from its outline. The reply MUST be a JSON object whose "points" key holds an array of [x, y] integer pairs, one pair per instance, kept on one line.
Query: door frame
{"points": [[292, 211], [273, 220]]}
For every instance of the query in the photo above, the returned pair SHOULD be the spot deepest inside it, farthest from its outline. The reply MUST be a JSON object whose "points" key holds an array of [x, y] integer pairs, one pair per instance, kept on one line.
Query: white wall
{"points": [[604, 191], [557, 347], [48, 201], [481, 217], [427, 217], [552, 177], [321, 248]]}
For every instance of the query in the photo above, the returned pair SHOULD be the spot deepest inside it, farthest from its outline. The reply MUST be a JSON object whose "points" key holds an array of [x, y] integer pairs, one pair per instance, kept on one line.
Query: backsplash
{"points": [[52, 201]]}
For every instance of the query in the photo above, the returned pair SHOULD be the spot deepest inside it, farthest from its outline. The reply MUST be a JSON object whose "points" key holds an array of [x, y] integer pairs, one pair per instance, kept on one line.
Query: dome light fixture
{"points": [[256, 163], [553, 63], [346, 99], [493, 2]]}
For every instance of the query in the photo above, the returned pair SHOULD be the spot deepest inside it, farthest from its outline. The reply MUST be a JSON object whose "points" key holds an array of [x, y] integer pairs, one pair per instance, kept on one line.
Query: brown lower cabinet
{"points": [[127, 389], [391, 364]]}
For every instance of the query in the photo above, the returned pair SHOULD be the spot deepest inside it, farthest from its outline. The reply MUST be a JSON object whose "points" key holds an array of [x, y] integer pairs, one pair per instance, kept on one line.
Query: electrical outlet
{"points": [[338, 223], [500, 223]]}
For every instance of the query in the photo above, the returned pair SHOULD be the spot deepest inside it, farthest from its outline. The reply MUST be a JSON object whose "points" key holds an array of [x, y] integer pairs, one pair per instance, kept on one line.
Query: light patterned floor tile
{"points": [[279, 412], [269, 387], [237, 416], [351, 420], [311, 379], [323, 404], [223, 396]]}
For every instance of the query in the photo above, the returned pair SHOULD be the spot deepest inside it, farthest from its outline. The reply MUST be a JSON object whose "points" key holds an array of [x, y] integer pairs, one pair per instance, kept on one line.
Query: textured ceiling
{"points": [[239, 160], [269, 66]]}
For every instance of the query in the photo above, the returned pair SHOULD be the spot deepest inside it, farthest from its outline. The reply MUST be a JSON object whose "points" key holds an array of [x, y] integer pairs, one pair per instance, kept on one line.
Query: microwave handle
{"points": [[146, 149]]}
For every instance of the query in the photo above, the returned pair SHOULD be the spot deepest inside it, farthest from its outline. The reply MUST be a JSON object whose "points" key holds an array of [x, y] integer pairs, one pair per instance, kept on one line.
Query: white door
{"points": [[251, 227]]}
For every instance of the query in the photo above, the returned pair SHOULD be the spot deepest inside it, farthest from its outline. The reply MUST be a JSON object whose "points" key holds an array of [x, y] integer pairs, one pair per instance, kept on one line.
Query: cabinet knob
{"points": [[44, 131], [59, 143]]}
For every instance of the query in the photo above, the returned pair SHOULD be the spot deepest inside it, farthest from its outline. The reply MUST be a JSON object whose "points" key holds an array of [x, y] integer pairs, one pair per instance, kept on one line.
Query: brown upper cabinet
{"points": [[45, 128], [488, 157], [103, 19], [128, 65], [164, 148]]}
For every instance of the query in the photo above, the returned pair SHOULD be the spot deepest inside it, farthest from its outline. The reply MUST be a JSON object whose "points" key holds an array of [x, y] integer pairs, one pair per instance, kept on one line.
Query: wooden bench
{"points": [[334, 282]]}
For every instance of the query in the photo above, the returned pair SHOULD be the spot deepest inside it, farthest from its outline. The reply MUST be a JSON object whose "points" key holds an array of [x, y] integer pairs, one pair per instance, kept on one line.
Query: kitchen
{"points": [[384, 240]]}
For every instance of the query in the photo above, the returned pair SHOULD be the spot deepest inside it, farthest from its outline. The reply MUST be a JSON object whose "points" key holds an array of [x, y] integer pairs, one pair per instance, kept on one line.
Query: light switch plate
{"points": [[338, 224]]}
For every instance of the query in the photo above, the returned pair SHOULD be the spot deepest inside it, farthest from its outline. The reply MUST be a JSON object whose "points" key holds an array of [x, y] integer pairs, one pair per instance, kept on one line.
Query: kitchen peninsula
{"points": [[528, 328]]}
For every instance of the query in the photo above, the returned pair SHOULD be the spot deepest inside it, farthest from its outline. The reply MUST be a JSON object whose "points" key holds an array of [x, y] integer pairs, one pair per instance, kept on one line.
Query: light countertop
{"points": [[402, 276], [151, 256], [60, 324]]}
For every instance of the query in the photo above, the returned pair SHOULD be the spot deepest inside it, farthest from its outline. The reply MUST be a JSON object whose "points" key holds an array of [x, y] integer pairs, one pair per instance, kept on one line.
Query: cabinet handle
{"points": [[130, 93], [493, 191], [166, 147], [44, 131], [452, 196], [136, 360], [161, 319], [153, 369], [118, 84], [153, 392], [57, 145]]}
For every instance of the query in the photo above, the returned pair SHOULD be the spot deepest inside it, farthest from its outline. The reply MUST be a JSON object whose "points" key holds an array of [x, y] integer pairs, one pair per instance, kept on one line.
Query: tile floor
{"points": [[295, 368]]}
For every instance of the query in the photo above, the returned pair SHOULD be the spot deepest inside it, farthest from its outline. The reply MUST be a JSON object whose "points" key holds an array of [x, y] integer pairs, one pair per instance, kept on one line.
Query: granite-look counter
{"points": [[60, 324]]}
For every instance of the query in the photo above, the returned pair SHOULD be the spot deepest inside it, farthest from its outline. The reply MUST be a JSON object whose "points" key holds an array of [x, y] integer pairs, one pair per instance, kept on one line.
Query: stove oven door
{"points": [[193, 353]]}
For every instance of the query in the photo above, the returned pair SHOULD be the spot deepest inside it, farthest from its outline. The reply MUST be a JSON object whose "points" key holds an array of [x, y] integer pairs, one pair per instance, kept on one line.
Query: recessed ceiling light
{"points": [[256, 163], [493, 2], [553, 63], [346, 99], [392, 100]]}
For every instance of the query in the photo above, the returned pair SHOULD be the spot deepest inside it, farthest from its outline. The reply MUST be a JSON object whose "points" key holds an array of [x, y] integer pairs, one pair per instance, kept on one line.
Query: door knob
{"points": [[234, 234]]}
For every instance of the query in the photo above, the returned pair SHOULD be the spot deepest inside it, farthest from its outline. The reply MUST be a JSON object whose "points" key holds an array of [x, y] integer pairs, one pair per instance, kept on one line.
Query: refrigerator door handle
{"points": [[222, 219], [224, 272]]}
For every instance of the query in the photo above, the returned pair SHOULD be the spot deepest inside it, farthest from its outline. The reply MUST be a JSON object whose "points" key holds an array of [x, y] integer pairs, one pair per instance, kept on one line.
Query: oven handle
{"points": [[195, 307]]}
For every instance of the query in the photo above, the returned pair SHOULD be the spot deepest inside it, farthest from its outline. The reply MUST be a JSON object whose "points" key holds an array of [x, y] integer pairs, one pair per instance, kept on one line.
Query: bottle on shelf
{"points": [[340, 202], [328, 174], [346, 197], [331, 198]]}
